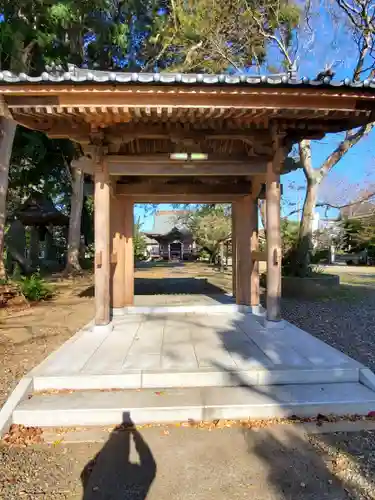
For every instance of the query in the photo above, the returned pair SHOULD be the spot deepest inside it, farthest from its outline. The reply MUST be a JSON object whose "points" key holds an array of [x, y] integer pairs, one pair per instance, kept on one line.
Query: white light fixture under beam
{"points": [[179, 156], [198, 156], [188, 156]]}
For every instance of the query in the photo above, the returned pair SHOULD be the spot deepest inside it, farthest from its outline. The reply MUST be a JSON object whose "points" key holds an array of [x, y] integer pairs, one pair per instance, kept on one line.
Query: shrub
{"points": [[17, 273], [291, 266], [320, 256], [35, 288], [203, 255]]}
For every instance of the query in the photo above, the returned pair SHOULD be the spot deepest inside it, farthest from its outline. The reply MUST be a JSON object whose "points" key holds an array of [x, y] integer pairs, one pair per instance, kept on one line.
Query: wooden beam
{"points": [[102, 245], [259, 256], [129, 252], [254, 250], [122, 165], [118, 248], [234, 249], [184, 198], [84, 163], [244, 225], [158, 189], [273, 231], [162, 158], [188, 169], [179, 135], [56, 127], [180, 96]]}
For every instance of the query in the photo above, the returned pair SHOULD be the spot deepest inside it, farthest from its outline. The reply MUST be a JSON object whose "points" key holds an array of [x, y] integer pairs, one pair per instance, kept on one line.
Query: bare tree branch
{"points": [[345, 205], [304, 148], [352, 137]]}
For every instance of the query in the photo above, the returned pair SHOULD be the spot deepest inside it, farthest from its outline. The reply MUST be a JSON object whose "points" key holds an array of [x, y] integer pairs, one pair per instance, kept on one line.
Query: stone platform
{"points": [[216, 346], [171, 364]]}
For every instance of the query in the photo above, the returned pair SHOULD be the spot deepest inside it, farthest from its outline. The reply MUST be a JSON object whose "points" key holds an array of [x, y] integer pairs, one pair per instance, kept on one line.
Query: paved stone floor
{"points": [[150, 344], [187, 299]]}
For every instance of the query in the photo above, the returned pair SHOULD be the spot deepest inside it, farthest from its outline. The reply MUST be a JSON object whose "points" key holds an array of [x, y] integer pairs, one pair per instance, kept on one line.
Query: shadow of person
{"points": [[111, 475]]}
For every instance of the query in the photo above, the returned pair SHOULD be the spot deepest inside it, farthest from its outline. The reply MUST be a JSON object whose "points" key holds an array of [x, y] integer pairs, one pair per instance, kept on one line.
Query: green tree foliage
{"points": [[358, 234], [198, 35], [139, 242], [210, 226], [99, 33], [289, 234], [289, 239], [34, 33], [206, 36], [39, 164]]}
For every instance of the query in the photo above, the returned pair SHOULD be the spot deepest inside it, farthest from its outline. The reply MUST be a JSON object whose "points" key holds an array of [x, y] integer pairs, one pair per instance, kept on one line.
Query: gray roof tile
{"points": [[79, 75], [165, 221]]}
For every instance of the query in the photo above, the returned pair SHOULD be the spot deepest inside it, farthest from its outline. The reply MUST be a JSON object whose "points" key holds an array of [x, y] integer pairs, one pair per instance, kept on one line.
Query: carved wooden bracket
{"points": [[98, 259], [4, 110], [95, 153], [276, 258], [260, 256]]}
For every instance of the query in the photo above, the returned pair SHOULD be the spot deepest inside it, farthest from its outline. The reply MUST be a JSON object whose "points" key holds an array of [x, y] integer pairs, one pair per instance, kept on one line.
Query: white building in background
{"points": [[326, 231], [315, 226]]}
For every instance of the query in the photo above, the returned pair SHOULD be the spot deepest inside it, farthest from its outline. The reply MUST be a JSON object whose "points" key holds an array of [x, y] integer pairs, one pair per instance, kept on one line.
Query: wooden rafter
{"points": [[186, 188], [221, 118]]}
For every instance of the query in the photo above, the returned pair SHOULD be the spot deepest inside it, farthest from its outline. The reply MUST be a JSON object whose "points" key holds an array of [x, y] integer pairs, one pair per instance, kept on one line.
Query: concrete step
{"points": [[155, 379], [85, 408]]}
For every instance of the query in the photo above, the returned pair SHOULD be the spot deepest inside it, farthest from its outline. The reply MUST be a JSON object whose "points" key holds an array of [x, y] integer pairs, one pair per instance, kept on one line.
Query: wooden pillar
{"points": [[118, 252], [244, 226], [49, 245], [102, 244], [128, 252], [34, 247], [254, 276], [234, 250], [273, 233]]}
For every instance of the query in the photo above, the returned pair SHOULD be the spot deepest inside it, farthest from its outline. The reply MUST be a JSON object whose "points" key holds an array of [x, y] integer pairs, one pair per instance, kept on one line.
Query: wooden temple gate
{"points": [[151, 138]]}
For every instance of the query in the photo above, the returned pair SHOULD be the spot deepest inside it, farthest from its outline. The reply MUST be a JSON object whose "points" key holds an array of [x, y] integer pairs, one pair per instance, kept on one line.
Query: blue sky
{"points": [[332, 44]]}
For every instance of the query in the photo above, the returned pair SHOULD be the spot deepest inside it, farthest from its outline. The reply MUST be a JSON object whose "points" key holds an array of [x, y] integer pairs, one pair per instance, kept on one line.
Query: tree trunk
{"points": [[74, 238], [305, 243], [263, 217], [222, 256], [34, 248], [213, 255], [8, 129]]}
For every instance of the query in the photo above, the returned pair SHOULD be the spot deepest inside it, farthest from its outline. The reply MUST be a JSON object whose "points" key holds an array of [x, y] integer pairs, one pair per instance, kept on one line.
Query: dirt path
{"points": [[29, 335]]}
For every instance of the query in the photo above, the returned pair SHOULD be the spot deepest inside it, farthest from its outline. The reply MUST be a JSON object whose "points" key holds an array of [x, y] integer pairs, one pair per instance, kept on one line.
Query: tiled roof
{"points": [[149, 240], [39, 209], [78, 75], [165, 221]]}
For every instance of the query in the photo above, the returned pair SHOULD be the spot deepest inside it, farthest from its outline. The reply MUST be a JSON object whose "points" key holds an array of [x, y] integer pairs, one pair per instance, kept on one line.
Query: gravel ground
{"points": [[351, 459], [347, 325], [211, 465]]}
